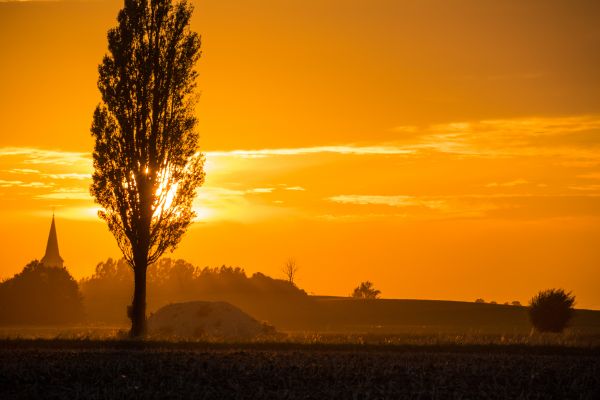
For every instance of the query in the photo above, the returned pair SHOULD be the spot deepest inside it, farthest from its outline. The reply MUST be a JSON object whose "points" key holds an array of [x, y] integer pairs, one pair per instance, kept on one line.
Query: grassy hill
{"points": [[341, 314]]}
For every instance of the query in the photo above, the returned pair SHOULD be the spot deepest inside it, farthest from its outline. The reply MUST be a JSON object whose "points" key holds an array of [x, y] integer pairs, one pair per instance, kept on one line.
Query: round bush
{"points": [[551, 310]]}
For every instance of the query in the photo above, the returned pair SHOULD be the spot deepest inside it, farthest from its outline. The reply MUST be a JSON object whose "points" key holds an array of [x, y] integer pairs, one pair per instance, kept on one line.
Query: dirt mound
{"points": [[205, 319]]}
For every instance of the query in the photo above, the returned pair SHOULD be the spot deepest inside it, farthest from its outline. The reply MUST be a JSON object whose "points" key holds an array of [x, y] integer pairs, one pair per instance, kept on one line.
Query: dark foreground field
{"points": [[113, 369]]}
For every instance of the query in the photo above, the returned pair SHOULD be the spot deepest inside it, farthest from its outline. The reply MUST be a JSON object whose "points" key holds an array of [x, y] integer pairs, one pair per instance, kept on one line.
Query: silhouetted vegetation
{"points": [[551, 310], [290, 270], [171, 281], [40, 295], [107, 293], [365, 291], [146, 161]]}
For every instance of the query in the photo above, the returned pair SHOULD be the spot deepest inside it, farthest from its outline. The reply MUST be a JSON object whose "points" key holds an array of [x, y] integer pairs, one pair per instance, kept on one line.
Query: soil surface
{"points": [[113, 369]]}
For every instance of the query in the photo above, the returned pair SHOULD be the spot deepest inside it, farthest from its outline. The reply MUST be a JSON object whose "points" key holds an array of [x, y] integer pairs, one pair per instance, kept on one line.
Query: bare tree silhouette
{"points": [[290, 270], [146, 159]]}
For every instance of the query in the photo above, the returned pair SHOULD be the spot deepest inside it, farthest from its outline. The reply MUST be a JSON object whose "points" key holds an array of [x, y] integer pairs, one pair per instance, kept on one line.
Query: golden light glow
{"points": [[445, 150], [165, 192]]}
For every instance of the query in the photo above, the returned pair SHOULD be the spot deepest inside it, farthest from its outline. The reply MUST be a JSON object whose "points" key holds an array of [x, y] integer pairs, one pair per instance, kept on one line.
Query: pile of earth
{"points": [[206, 319]]}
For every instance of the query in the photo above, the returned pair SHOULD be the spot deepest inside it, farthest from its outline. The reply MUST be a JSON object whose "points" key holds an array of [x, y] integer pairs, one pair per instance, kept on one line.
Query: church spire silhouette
{"points": [[52, 257]]}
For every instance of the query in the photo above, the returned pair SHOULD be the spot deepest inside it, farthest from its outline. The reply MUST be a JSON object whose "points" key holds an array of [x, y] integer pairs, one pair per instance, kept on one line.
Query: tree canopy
{"points": [[366, 290], [40, 295]]}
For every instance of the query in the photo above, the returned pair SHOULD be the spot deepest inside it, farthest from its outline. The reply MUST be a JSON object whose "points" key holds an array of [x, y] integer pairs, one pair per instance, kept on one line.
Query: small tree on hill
{"points": [[290, 270], [365, 291], [551, 310], [147, 166]]}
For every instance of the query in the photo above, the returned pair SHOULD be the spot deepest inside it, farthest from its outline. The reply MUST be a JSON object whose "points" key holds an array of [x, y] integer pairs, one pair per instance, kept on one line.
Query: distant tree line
{"points": [[108, 290], [41, 295], [506, 303]]}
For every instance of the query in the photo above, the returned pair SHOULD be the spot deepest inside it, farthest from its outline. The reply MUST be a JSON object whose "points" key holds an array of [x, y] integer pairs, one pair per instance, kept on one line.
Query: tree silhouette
{"points": [[146, 159], [551, 310], [365, 291], [290, 270], [40, 295]]}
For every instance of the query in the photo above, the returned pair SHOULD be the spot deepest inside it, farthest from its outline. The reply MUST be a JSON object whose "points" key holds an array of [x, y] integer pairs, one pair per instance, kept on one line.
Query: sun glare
{"points": [[203, 214]]}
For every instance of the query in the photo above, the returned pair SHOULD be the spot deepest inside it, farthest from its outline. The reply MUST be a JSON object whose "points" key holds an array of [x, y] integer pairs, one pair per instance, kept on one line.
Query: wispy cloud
{"points": [[567, 136], [516, 182], [66, 194], [343, 149], [582, 201], [23, 171], [21, 184], [69, 176], [260, 190], [393, 201], [31, 155], [594, 187]]}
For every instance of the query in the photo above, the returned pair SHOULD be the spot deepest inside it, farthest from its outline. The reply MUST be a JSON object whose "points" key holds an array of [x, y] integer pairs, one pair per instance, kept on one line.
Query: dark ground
{"points": [[113, 369]]}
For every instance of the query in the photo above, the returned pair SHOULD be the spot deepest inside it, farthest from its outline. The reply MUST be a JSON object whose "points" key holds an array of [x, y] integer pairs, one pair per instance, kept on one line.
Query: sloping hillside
{"points": [[340, 314]]}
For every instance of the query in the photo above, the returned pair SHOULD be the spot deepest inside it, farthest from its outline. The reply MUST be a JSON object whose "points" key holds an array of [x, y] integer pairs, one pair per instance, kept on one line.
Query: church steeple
{"points": [[52, 257]]}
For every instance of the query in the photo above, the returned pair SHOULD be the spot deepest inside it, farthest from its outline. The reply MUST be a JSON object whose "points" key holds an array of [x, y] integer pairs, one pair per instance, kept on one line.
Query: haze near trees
{"points": [[147, 166]]}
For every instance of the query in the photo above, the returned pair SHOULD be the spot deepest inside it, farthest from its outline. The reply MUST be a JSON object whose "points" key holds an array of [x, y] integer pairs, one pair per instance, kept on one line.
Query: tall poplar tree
{"points": [[147, 165]]}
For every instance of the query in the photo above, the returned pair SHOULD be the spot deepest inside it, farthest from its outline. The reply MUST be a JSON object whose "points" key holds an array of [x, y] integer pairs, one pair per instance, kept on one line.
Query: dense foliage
{"points": [[40, 295], [551, 310]]}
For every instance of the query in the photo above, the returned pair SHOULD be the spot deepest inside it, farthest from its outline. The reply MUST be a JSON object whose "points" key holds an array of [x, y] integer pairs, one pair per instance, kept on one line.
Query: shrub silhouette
{"points": [[40, 295], [551, 310], [365, 291]]}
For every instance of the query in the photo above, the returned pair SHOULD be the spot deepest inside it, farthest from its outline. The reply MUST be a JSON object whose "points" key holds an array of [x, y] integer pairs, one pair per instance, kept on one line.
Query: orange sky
{"points": [[442, 149]]}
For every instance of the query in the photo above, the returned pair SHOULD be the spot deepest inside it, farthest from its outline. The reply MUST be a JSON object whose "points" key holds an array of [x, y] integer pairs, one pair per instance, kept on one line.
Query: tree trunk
{"points": [[138, 307]]}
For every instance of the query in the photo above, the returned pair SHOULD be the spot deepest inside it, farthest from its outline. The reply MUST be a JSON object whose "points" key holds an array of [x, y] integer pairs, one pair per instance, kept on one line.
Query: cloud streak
{"points": [[516, 182], [21, 184], [534, 136], [36, 156], [343, 149]]}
